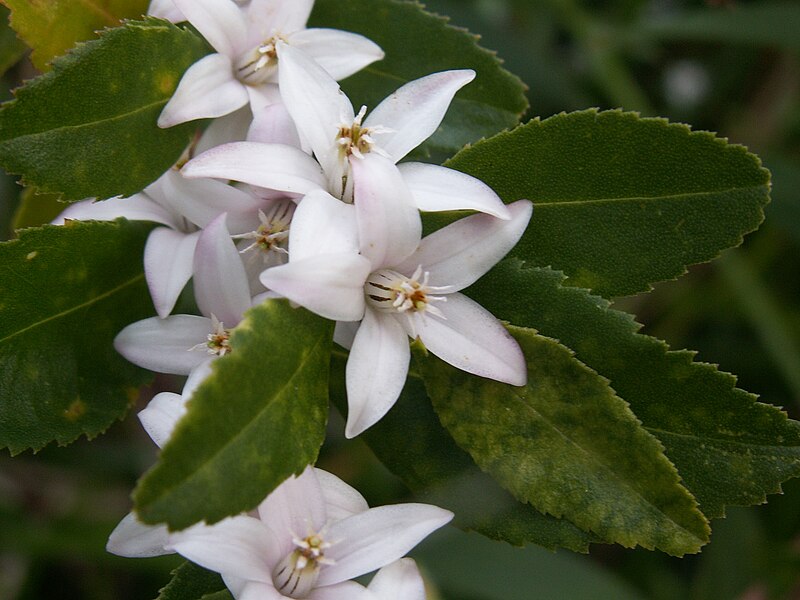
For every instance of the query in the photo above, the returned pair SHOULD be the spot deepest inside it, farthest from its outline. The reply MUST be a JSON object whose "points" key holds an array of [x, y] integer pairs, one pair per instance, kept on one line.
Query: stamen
{"points": [[390, 291], [272, 236], [297, 574], [260, 64], [218, 340]]}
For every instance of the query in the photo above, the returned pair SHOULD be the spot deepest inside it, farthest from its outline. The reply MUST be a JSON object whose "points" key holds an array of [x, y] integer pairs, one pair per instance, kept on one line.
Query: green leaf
{"points": [[103, 140], [729, 449], [416, 44], [758, 24], [67, 291], [569, 446], [36, 209], [11, 48], [259, 418], [190, 582], [621, 201], [412, 444], [53, 27]]}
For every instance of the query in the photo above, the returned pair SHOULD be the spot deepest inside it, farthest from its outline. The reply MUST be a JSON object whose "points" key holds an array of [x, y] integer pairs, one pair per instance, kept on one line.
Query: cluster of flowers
{"points": [[320, 213]]}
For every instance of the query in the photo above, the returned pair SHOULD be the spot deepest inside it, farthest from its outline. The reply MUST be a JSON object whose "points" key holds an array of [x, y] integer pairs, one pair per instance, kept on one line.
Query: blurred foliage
{"points": [[729, 66]]}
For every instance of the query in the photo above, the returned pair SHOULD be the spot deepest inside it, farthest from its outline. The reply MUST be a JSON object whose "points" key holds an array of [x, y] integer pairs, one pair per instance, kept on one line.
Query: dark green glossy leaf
{"points": [[53, 27], [621, 202], [190, 582], [102, 140], [729, 449], [66, 292], [412, 444], [259, 418], [416, 44], [569, 446]]}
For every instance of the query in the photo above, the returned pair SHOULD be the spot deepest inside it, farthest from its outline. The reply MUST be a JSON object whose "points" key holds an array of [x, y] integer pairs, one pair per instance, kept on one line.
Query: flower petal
{"points": [[273, 125], [322, 225], [415, 111], [436, 188], [268, 17], [133, 539], [316, 104], [165, 9], [225, 129], [345, 333], [168, 258], [346, 590], [139, 207], [165, 345], [341, 500], [238, 546], [295, 508], [221, 22], [330, 285], [339, 53], [256, 590], [471, 339], [389, 225], [161, 415], [197, 376], [376, 370], [459, 254], [273, 166], [377, 537], [220, 281], [208, 89], [399, 580]]}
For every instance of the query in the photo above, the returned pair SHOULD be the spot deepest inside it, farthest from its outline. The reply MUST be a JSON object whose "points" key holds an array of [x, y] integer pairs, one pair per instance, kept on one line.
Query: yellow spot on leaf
{"points": [[166, 83], [75, 410]]}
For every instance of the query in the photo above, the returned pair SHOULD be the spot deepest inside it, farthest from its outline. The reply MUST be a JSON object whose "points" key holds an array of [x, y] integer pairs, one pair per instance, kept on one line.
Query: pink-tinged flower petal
{"points": [[295, 508], [161, 415], [377, 537], [471, 339], [273, 166], [273, 125], [436, 188], [316, 104], [254, 590], [267, 17], [208, 89], [376, 370], [165, 345], [237, 585], [138, 207], [339, 53], [133, 539], [197, 376], [220, 281], [239, 546], [461, 253], [225, 129], [221, 22], [165, 9], [264, 95], [398, 581], [341, 500], [389, 225], [346, 590], [168, 258], [322, 225], [415, 111], [330, 285]]}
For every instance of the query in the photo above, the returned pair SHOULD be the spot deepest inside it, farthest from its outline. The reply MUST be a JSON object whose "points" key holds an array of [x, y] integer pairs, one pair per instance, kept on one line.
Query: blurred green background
{"points": [[732, 67]]}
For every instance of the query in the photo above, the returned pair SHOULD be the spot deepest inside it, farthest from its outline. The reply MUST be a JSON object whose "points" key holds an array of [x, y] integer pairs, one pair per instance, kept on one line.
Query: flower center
{"points": [[296, 575], [389, 291], [259, 64], [218, 341], [273, 233]]}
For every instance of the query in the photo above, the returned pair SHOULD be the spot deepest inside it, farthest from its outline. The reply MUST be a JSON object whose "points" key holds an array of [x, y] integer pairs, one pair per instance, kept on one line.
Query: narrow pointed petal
{"points": [[415, 111], [316, 104], [225, 129], [294, 509], [239, 546], [133, 539], [168, 259], [272, 166], [471, 339], [341, 500], [165, 9], [346, 590], [165, 345], [273, 125], [322, 225], [138, 207], [330, 285], [436, 188], [161, 415], [208, 89], [461, 253], [339, 53], [389, 225], [376, 370], [221, 22], [267, 17], [220, 281], [399, 580], [377, 537]]}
